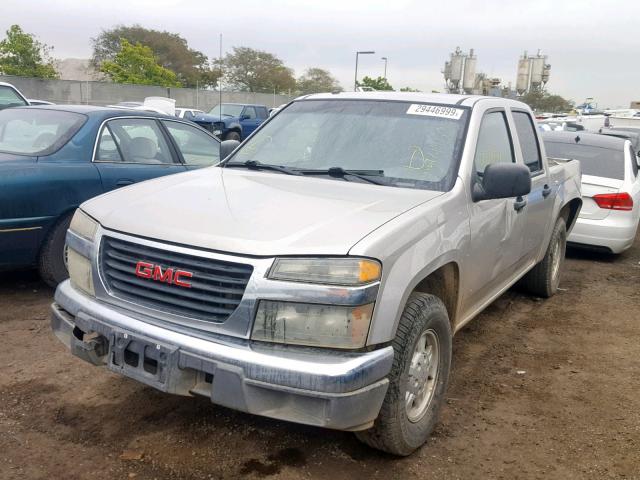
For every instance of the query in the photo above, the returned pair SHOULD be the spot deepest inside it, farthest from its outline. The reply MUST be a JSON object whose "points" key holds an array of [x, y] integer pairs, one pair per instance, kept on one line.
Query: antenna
{"points": [[220, 80]]}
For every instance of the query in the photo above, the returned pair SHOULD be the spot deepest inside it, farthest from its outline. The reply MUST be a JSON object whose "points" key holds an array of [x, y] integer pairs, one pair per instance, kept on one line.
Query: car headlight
{"points": [[333, 326], [217, 132], [83, 225], [329, 271], [80, 271]]}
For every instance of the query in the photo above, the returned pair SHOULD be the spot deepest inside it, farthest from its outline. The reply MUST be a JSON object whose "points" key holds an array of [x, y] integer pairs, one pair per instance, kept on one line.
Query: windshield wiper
{"points": [[340, 172], [254, 165]]}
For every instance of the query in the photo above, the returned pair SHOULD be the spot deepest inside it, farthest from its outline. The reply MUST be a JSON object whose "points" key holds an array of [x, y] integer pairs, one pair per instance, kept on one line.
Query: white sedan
{"points": [[610, 211]]}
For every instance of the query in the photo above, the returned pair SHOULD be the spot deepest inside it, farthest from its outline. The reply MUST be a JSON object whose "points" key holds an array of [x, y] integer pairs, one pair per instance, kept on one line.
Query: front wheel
{"points": [[51, 263], [543, 279], [418, 378]]}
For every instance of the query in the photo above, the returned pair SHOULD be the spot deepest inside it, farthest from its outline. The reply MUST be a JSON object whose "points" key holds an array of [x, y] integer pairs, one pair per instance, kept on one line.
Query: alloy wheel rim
{"points": [[556, 260], [423, 375]]}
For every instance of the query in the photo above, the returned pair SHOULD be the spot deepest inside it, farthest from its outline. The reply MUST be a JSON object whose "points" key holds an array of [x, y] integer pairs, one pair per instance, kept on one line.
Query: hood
{"points": [[205, 117], [254, 213]]}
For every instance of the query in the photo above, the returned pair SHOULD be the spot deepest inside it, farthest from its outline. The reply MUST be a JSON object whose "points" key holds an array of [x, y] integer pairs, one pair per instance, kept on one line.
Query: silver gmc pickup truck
{"points": [[318, 274]]}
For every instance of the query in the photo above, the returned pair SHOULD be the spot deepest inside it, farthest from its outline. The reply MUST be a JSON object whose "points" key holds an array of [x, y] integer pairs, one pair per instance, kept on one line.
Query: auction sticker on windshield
{"points": [[435, 111]]}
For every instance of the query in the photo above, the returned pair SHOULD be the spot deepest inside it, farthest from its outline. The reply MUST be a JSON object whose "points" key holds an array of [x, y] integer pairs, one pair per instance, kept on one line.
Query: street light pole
{"points": [[355, 81], [385, 67]]}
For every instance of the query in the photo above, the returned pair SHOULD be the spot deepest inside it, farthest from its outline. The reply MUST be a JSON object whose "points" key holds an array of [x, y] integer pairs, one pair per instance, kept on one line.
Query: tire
{"points": [[232, 136], [51, 262], [543, 279], [394, 431]]}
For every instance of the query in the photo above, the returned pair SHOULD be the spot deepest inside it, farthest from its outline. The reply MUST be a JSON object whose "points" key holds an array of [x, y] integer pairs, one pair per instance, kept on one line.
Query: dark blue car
{"points": [[54, 158], [234, 121]]}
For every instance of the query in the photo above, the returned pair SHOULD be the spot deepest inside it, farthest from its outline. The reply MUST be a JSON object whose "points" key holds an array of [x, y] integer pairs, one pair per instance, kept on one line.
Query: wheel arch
{"points": [[570, 212], [444, 283]]}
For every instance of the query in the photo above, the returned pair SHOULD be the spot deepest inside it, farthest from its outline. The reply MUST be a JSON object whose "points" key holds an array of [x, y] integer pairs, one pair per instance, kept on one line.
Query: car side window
{"points": [[107, 148], [140, 140], [196, 146], [249, 112], [189, 115], [494, 142], [528, 142], [262, 112]]}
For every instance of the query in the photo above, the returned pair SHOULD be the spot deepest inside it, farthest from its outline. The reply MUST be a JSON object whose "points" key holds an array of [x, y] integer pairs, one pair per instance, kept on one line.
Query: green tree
{"points": [[257, 71], [137, 64], [379, 83], [316, 80], [192, 67], [21, 54], [409, 89], [543, 101]]}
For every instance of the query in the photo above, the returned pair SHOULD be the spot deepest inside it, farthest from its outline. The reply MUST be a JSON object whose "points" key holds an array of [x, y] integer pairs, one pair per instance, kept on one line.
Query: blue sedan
{"points": [[54, 158]]}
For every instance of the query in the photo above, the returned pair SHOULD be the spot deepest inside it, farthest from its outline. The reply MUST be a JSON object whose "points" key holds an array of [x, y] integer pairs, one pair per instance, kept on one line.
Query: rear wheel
{"points": [[232, 136], [51, 264], [418, 379], [543, 279]]}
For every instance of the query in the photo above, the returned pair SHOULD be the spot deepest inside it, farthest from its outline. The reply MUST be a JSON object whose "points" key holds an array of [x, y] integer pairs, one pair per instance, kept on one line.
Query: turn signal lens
{"points": [[327, 271], [614, 201], [80, 271]]}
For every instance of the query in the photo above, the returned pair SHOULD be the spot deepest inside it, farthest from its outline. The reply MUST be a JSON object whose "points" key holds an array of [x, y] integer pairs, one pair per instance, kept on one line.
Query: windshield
{"points": [[596, 161], [227, 110], [411, 145], [32, 131], [10, 98]]}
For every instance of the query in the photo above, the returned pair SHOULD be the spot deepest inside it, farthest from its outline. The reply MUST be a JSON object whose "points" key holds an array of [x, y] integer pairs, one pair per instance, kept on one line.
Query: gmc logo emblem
{"points": [[168, 275]]}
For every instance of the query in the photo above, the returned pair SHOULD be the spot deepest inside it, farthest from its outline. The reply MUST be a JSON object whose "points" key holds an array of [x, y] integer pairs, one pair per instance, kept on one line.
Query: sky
{"points": [[592, 46]]}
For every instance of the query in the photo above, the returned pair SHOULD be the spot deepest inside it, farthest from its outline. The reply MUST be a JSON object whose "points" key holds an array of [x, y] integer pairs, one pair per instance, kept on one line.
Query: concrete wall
{"points": [[106, 93]]}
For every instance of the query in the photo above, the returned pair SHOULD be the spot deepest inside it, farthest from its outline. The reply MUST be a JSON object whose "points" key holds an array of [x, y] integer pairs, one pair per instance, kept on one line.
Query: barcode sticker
{"points": [[435, 111]]}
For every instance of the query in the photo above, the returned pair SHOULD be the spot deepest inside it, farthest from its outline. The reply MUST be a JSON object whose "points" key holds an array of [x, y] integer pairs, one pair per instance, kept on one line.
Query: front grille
{"points": [[216, 286]]}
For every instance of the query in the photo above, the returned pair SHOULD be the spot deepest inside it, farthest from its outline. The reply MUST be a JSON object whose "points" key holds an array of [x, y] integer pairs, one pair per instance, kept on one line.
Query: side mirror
{"points": [[502, 180], [226, 147]]}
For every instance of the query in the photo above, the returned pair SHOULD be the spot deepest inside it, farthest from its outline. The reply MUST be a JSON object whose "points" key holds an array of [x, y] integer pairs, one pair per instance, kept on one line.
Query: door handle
{"points": [[546, 191], [124, 183], [519, 204]]}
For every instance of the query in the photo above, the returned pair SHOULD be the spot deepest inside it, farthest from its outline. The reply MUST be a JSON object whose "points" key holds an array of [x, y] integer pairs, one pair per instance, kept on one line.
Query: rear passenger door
{"points": [[130, 150], [249, 121], [540, 201]]}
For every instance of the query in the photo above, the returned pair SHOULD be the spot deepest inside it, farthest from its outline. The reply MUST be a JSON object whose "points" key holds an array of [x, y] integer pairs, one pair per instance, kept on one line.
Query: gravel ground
{"points": [[539, 389]]}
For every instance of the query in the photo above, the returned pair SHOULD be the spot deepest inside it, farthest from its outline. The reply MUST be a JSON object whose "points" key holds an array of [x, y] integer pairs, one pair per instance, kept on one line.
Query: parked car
{"points": [[10, 96], [187, 113], [239, 120], [54, 158], [318, 274], [610, 188]]}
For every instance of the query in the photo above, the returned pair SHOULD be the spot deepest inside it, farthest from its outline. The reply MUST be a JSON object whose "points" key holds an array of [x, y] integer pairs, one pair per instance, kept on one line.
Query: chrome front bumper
{"points": [[328, 388]]}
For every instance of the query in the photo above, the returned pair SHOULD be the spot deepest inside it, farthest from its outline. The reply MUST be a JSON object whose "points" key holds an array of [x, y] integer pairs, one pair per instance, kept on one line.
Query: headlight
{"points": [[334, 326], [329, 271], [217, 132], [83, 225], [80, 271]]}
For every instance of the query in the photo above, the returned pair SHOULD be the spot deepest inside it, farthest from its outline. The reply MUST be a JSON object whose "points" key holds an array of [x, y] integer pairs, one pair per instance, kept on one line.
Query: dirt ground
{"points": [[539, 389]]}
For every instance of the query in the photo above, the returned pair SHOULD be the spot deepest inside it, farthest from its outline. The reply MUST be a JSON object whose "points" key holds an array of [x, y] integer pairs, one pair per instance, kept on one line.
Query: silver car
{"points": [[610, 188]]}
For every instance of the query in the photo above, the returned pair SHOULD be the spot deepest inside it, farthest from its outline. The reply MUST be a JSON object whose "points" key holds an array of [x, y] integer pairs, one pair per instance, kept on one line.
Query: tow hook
{"points": [[90, 347]]}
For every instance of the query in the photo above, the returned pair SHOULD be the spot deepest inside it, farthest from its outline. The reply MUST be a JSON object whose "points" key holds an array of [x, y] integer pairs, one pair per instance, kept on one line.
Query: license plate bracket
{"points": [[141, 359]]}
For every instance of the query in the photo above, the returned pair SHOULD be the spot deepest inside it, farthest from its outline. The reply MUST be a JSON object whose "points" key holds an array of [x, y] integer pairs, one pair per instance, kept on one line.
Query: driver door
{"points": [[496, 226]]}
